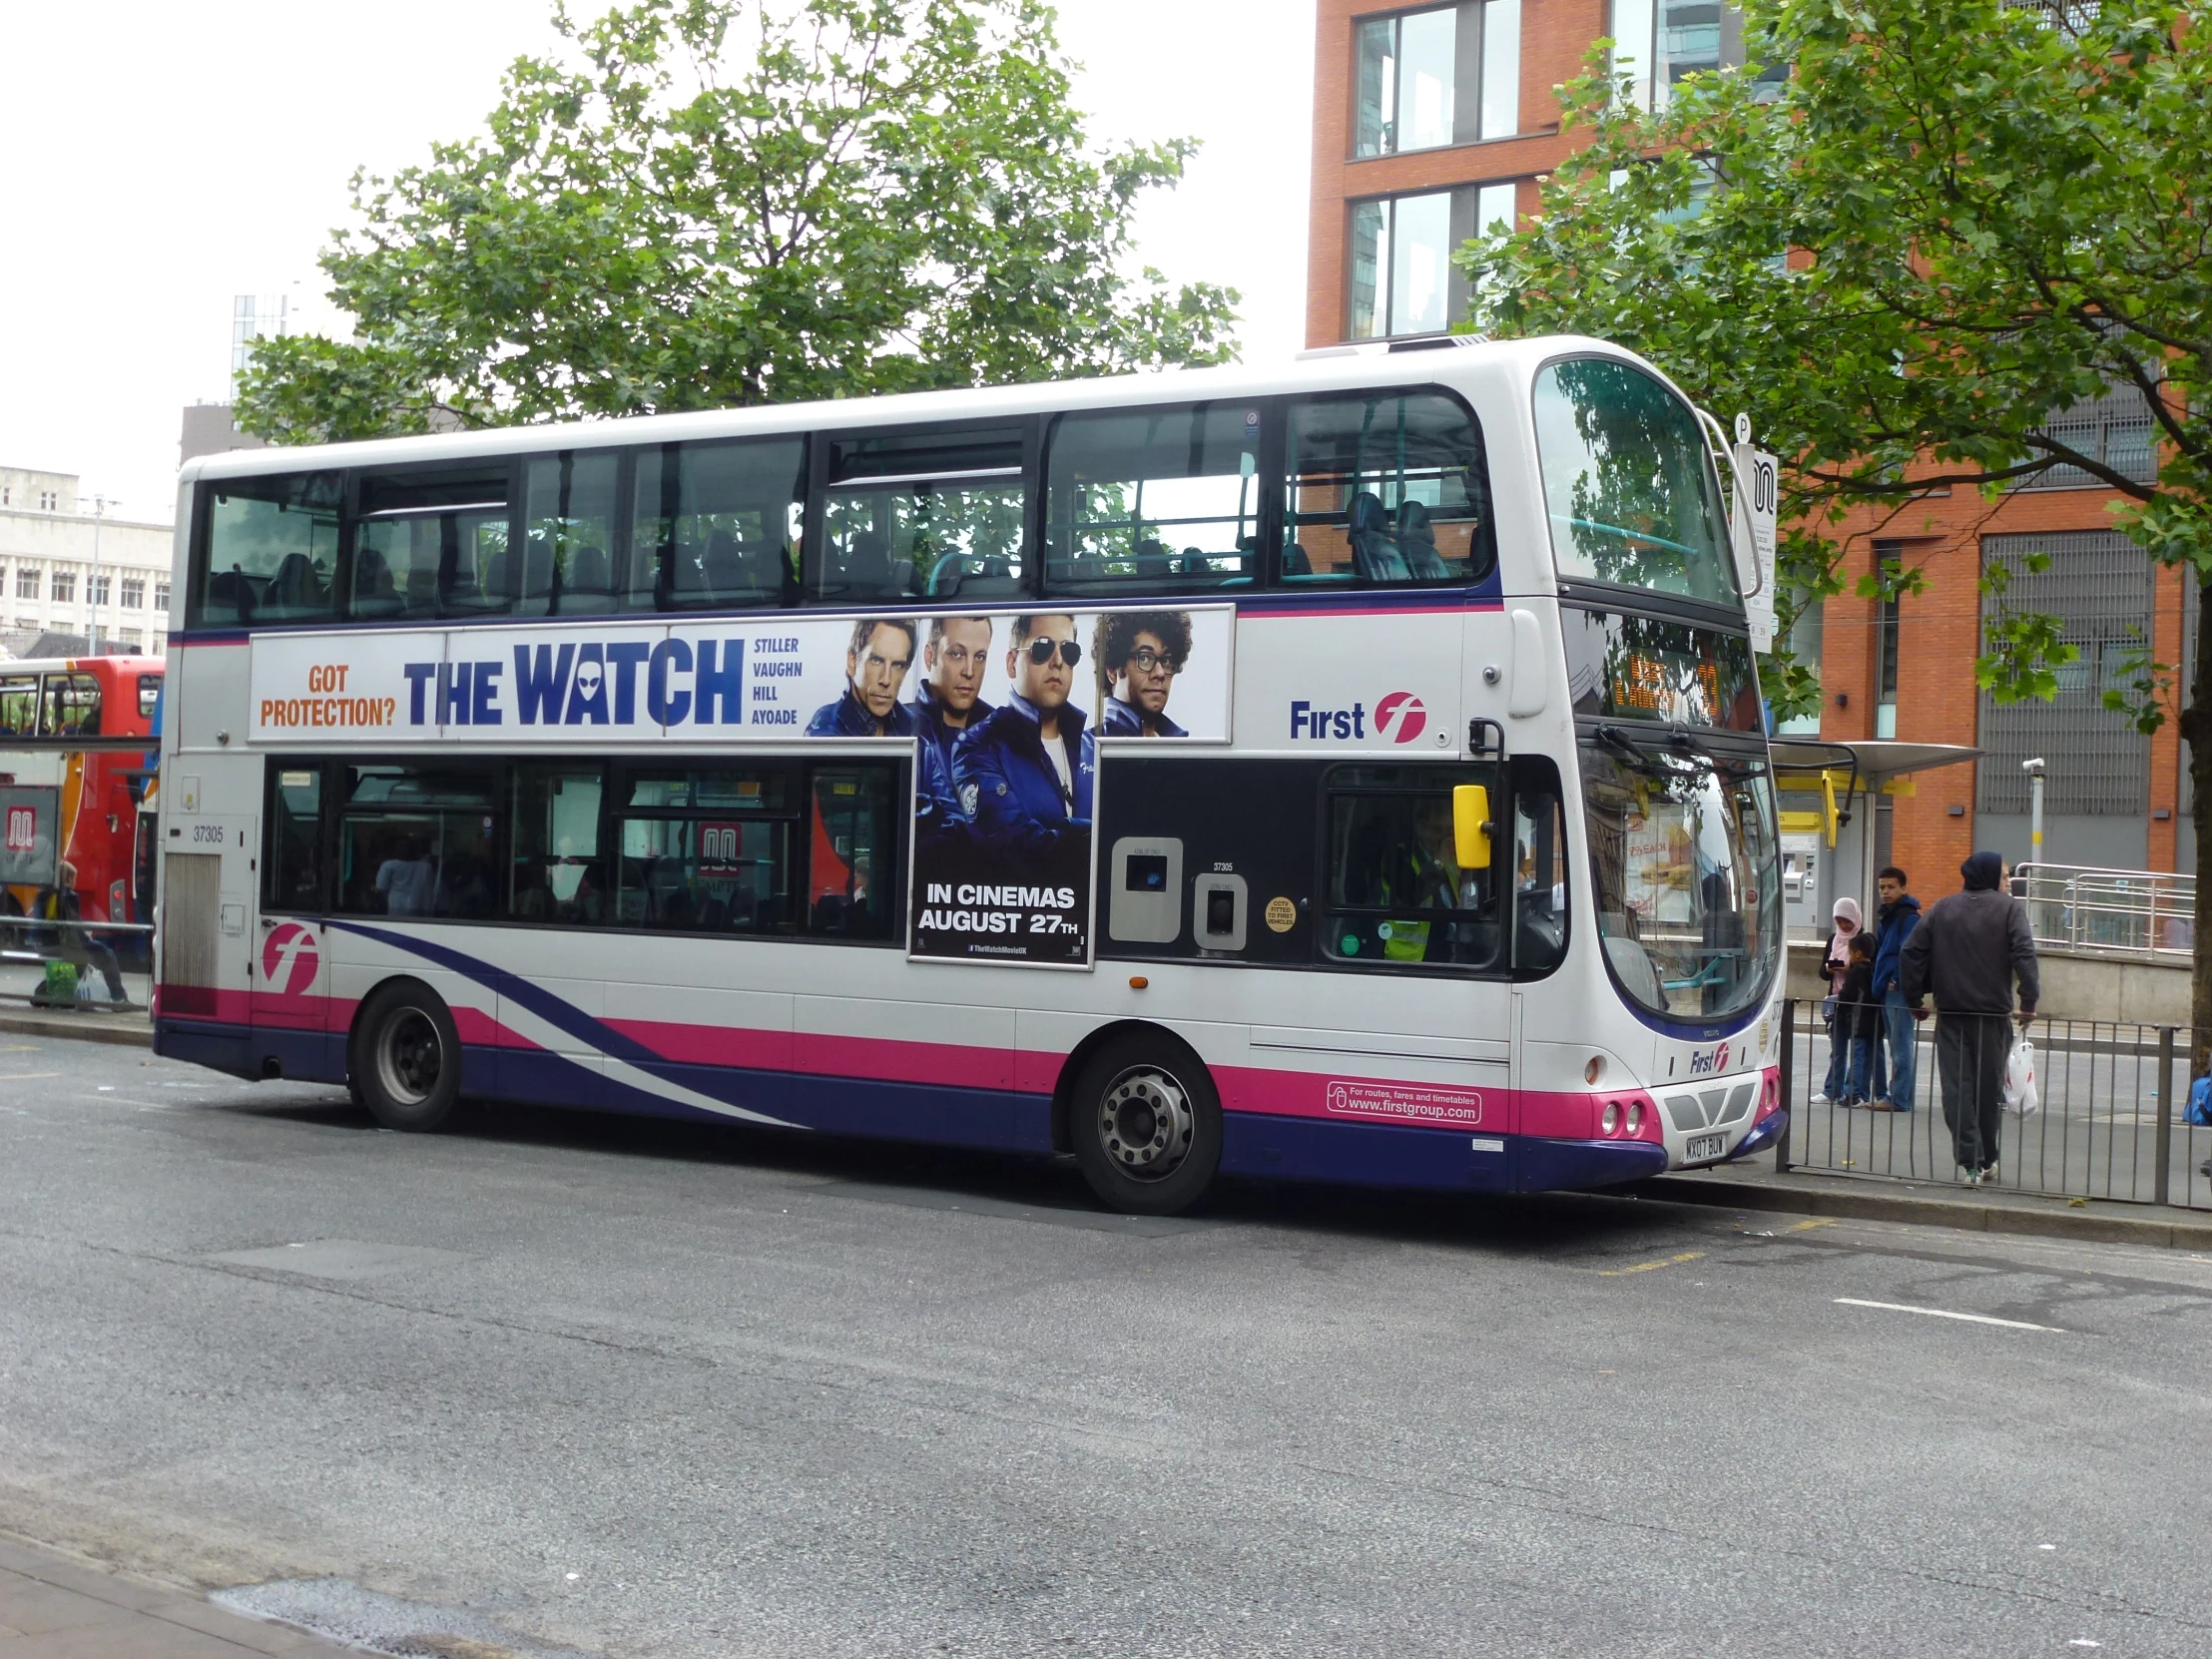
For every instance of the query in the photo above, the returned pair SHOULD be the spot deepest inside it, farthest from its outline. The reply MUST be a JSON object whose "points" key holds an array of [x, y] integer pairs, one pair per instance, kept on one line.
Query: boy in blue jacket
{"points": [[1898, 914]]}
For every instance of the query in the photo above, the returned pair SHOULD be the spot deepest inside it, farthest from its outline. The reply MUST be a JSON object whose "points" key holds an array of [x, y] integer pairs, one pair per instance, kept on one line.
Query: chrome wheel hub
{"points": [[1145, 1123]]}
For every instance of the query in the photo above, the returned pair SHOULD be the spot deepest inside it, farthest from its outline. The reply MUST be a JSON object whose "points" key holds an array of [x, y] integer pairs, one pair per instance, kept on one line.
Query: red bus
{"points": [[79, 749]]}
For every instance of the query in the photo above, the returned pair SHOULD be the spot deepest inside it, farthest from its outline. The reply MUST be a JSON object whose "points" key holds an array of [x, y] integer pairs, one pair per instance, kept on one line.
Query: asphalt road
{"points": [[579, 1383]]}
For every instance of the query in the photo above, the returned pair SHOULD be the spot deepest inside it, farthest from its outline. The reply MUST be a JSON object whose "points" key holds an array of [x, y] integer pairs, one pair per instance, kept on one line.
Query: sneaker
{"points": [[1989, 1175], [1969, 1178], [1820, 1099]]}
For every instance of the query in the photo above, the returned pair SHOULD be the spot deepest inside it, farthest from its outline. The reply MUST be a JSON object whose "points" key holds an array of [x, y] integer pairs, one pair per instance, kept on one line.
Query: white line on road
{"points": [[1944, 1314]]}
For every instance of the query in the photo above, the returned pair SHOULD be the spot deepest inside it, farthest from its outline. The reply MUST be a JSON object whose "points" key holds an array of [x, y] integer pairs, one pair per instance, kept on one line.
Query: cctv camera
{"points": [[2035, 767]]}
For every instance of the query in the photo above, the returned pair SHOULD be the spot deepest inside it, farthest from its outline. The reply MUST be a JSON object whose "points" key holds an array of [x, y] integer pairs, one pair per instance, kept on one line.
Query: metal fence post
{"points": [[2162, 1162], [1789, 1070]]}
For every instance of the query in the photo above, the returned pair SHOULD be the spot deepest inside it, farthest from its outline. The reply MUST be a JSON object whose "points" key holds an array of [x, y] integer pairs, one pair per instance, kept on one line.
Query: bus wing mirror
{"points": [[1470, 825]]}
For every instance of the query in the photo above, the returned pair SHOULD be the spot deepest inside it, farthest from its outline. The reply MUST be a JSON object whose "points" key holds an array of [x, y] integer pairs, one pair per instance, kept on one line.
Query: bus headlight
{"points": [[1610, 1121]]}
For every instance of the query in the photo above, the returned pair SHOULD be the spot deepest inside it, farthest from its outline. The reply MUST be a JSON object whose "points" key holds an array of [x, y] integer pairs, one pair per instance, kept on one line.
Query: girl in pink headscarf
{"points": [[1849, 922]]}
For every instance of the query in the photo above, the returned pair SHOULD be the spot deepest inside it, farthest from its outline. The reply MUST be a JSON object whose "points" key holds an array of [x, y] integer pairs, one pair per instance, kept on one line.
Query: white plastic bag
{"points": [[2020, 1097]]}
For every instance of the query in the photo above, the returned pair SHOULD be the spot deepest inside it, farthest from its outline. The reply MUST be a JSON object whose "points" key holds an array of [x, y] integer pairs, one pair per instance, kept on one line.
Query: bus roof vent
{"points": [[1437, 342]]}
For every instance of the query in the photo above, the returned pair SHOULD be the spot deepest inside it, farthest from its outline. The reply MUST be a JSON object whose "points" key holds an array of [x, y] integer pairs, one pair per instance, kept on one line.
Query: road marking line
{"points": [[1946, 1313], [1807, 1225], [26, 1076], [1649, 1267]]}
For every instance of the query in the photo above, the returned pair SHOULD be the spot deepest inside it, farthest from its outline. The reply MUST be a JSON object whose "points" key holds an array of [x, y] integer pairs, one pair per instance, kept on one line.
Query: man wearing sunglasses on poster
{"points": [[1024, 776]]}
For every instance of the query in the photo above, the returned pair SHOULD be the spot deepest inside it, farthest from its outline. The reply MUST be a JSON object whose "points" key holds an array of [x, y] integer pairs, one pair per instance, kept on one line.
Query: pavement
{"points": [[576, 1384], [54, 1607]]}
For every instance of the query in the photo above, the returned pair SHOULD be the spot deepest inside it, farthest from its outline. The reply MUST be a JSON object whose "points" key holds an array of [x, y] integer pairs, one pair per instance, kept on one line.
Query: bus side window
{"points": [[852, 852], [19, 706], [72, 707], [1396, 894], [1385, 489], [268, 551], [1539, 869], [292, 870]]}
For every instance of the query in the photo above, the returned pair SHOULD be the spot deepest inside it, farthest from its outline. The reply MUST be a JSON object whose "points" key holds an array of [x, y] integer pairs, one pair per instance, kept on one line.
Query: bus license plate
{"points": [[1702, 1147]]}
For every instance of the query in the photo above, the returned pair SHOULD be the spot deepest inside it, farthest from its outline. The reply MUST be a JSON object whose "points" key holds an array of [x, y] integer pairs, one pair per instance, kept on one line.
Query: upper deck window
{"points": [[1627, 483], [432, 545], [1387, 488], [717, 525], [1159, 499], [271, 551], [923, 513]]}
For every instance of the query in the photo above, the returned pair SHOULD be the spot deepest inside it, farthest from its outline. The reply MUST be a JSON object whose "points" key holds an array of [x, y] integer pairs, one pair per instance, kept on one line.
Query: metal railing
{"points": [[2135, 912], [88, 946], [2111, 1122]]}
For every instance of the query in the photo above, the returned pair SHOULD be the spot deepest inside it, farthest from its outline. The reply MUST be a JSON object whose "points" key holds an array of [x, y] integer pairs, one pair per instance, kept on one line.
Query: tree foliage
{"points": [[703, 204], [1955, 218]]}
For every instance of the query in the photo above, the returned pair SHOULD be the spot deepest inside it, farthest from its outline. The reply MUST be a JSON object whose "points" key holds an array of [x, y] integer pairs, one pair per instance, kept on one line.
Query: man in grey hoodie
{"points": [[1968, 952]]}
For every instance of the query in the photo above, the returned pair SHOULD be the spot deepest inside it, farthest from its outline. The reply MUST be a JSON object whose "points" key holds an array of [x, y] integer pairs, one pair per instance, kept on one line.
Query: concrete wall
{"points": [[2075, 986]]}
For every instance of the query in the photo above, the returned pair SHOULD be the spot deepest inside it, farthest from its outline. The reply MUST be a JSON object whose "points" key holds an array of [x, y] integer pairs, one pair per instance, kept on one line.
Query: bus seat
{"points": [[992, 576], [1152, 559], [723, 570], [588, 579], [1375, 553], [1296, 562], [1416, 540], [374, 592], [294, 588], [867, 565]]}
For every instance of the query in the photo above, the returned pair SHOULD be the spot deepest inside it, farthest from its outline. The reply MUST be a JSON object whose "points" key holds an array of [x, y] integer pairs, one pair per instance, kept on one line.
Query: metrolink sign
{"points": [[775, 677]]}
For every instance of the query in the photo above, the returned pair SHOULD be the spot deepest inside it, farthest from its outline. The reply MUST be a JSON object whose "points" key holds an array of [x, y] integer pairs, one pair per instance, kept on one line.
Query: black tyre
{"points": [[405, 1064], [1146, 1122]]}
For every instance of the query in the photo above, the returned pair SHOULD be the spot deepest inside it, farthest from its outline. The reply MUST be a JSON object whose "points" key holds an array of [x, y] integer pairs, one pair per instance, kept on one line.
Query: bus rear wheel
{"points": [[406, 1066], [1146, 1125]]}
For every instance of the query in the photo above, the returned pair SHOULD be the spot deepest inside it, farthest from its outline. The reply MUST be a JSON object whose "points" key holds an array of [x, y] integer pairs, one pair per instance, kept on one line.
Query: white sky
{"points": [[166, 155]]}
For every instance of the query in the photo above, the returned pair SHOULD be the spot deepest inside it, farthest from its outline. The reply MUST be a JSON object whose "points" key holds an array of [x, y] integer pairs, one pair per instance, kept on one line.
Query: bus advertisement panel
{"points": [[790, 678]]}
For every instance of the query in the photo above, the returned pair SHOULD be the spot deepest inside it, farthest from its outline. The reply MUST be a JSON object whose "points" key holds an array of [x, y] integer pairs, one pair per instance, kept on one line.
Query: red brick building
{"points": [[1430, 121]]}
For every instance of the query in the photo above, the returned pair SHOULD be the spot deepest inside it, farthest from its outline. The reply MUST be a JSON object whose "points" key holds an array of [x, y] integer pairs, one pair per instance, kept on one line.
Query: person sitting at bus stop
{"points": [[1968, 952], [1024, 776], [1895, 922], [875, 665], [1139, 655], [947, 703], [1859, 1021], [60, 902]]}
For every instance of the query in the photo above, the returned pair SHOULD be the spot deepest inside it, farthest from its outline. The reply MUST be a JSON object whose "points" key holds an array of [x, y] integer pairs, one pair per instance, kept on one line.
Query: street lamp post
{"points": [[92, 582], [2034, 771]]}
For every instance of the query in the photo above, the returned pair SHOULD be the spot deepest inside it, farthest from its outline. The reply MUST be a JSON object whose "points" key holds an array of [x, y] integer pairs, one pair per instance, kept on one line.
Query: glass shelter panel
{"points": [[1386, 489], [1160, 498]]}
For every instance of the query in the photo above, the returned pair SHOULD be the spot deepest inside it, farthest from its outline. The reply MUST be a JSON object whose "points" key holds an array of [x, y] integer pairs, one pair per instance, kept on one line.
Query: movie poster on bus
{"points": [[1141, 674], [1012, 717]]}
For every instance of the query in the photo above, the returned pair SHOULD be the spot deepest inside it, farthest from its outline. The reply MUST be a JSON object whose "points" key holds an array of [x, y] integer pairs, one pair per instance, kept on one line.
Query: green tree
{"points": [[1953, 219], [693, 203]]}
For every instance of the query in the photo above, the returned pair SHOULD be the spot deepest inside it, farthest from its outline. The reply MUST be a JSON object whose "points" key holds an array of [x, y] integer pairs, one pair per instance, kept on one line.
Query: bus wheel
{"points": [[1147, 1126], [406, 1062]]}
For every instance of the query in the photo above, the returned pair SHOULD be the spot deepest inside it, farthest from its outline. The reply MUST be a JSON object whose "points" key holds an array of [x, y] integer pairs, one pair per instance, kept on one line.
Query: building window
{"points": [[2099, 586], [134, 593], [49, 501], [161, 593], [1665, 39], [1403, 277], [96, 589], [2115, 430], [130, 639], [26, 580], [65, 586], [6, 495], [1888, 560], [1445, 75]]}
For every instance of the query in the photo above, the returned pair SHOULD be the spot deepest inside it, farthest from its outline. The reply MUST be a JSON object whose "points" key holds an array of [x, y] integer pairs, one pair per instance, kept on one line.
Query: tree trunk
{"points": [[2196, 729]]}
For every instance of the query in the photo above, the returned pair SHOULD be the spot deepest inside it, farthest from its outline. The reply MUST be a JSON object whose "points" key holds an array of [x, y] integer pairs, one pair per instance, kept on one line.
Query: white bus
{"points": [[1352, 771]]}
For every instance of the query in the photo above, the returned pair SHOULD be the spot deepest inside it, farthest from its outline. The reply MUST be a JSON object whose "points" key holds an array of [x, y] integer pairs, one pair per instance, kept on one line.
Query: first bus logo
{"points": [[290, 960]]}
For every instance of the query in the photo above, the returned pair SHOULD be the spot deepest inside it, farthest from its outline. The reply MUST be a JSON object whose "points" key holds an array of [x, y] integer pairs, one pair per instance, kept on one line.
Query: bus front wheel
{"points": [[1146, 1125], [406, 1062]]}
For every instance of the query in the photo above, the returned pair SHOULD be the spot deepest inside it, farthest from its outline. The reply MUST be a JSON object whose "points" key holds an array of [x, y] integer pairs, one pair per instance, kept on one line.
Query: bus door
{"points": [[206, 906]]}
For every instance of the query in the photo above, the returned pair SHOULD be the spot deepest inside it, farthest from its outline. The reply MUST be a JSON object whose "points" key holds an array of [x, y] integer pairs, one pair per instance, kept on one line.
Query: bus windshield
{"points": [[1688, 892], [1628, 485]]}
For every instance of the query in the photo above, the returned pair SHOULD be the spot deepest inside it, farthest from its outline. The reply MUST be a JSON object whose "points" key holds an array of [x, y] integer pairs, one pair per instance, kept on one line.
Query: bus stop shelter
{"points": [[1833, 799]]}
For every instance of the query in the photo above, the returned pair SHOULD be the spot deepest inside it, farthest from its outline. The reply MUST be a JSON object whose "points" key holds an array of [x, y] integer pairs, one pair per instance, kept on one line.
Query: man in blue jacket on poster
{"points": [[1024, 776], [1899, 915], [946, 707], [875, 665]]}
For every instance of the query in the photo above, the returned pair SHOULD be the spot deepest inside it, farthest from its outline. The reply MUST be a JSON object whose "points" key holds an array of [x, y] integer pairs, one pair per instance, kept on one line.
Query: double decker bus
{"points": [[77, 797], [1352, 771]]}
